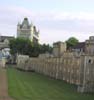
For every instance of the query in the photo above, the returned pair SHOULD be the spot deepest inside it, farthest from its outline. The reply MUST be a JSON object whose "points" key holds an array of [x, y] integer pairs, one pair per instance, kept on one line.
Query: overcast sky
{"points": [[57, 20]]}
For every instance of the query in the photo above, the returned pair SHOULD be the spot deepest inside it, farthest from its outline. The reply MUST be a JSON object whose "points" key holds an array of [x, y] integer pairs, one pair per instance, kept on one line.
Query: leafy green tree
{"points": [[46, 48], [26, 47], [20, 46], [72, 41]]}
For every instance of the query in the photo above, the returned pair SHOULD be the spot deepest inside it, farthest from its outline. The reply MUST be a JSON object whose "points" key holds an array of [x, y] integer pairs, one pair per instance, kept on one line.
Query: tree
{"points": [[46, 48], [72, 41], [20, 46], [26, 47]]}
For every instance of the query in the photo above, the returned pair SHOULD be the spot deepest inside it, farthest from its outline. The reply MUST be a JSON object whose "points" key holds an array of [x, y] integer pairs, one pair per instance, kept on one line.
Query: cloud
{"points": [[70, 16], [54, 26], [50, 36]]}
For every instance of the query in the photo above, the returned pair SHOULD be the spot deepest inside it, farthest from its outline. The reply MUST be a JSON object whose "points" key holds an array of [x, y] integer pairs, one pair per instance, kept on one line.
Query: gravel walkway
{"points": [[3, 85]]}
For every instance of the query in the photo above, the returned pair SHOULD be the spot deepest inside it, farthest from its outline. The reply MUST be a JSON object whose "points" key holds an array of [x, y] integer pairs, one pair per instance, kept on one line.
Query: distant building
{"points": [[27, 31], [79, 47], [4, 46], [4, 41], [86, 47]]}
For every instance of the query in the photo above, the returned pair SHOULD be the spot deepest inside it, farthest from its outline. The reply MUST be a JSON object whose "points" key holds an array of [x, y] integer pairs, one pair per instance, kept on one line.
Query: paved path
{"points": [[3, 85]]}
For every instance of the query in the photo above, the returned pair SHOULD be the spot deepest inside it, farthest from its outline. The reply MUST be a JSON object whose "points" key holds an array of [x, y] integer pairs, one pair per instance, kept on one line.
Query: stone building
{"points": [[90, 46], [66, 65], [59, 48], [86, 73], [27, 31]]}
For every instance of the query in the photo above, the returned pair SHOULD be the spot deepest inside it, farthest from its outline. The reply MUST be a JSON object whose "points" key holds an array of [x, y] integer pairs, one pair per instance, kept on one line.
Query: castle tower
{"points": [[59, 48], [90, 46], [27, 31]]}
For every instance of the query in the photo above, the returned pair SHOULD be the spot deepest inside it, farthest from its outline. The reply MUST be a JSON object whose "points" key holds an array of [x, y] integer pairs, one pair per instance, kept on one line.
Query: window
{"points": [[89, 61]]}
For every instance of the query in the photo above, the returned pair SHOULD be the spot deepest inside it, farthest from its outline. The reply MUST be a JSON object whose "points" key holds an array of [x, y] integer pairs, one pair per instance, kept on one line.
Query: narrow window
{"points": [[89, 61]]}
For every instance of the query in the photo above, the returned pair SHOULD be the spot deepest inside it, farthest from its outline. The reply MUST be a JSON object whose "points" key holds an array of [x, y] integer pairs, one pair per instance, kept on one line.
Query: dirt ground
{"points": [[3, 85]]}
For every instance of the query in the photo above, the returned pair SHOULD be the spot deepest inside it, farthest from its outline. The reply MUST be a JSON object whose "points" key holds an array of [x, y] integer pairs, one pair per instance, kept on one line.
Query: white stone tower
{"points": [[27, 31]]}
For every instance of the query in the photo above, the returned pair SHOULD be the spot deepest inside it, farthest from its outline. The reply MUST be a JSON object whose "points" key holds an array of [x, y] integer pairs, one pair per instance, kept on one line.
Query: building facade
{"points": [[27, 31]]}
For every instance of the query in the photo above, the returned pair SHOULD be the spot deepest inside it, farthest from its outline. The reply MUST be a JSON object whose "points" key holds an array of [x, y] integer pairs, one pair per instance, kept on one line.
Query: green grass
{"points": [[33, 86]]}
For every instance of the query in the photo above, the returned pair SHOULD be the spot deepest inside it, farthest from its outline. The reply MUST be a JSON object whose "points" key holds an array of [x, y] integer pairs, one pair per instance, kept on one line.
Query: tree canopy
{"points": [[26, 47], [72, 41]]}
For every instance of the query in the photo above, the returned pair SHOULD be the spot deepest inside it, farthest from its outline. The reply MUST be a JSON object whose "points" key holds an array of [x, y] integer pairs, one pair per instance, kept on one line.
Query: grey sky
{"points": [[57, 20]]}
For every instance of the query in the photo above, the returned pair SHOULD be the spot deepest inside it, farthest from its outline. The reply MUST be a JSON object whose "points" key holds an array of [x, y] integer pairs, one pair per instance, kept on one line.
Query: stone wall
{"points": [[65, 68], [78, 70], [87, 74]]}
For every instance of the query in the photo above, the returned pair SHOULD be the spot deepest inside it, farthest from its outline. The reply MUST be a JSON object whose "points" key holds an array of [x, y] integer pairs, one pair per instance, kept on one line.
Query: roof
{"points": [[25, 22], [2, 38], [79, 45]]}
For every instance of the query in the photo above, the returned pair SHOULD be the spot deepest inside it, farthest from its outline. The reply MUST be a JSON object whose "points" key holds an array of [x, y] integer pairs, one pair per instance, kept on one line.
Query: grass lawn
{"points": [[33, 86]]}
